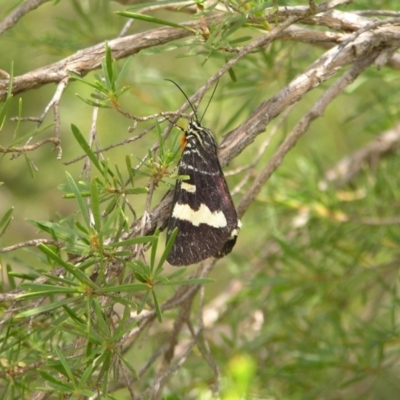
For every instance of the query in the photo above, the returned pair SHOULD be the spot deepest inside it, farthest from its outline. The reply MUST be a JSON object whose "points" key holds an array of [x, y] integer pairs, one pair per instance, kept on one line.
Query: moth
{"points": [[202, 207]]}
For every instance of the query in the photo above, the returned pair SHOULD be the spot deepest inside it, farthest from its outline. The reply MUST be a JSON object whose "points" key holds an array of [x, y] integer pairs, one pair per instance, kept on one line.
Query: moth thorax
{"points": [[202, 135]]}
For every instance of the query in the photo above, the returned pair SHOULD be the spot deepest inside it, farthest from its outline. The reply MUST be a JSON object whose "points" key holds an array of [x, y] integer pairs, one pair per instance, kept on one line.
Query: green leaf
{"points": [[104, 361], [78, 78], [7, 103], [95, 205], [157, 306], [198, 281], [23, 276], [38, 289], [76, 272], [87, 373], [47, 307], [64, 363], [82, 204], [85, 147], [167, 249], [61, 386], [132, 241], [143, 302], [30, 166], [138, 190], [128, 287], [154, 250], [149, 18], [123, 72], [11, 280], [73, 315], [128, 365], [163, 48], [123, 328], [108, 70], [100, 322], [102, 103], [5, 221], [63, 281]]}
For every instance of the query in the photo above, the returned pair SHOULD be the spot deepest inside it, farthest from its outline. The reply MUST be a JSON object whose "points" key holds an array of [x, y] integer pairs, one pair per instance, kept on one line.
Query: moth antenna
{"points": [[187, 98], [174, 124], [209, 101]]}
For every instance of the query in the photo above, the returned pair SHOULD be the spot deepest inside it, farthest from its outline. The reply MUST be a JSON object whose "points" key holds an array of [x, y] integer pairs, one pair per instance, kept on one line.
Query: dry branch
{"points": [[19, 12], [89, 59], [347, 168]]}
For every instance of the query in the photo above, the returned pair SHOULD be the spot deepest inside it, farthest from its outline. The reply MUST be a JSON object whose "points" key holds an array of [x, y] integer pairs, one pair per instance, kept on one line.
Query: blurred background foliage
{"points": [[316, 314]]}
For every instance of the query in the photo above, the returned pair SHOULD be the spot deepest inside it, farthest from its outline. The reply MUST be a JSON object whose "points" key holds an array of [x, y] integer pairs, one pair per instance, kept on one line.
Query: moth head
{"points": [[202, 136]]}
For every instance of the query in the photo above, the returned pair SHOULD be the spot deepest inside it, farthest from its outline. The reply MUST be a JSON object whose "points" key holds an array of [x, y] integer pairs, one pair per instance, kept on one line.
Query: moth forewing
{"points": [[202, 208]]}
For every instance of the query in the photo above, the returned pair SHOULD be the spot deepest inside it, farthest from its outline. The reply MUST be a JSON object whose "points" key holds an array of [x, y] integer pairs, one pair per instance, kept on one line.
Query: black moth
{"points": [[202, 207]]}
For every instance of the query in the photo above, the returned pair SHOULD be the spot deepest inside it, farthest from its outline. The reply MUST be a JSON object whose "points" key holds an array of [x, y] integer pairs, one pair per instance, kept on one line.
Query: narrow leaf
{"points": [[95, 203], [47, 307], [129, 287], [82, 205], [5, 221], [65, 364], [85, 147], [132, 241], [157, 306], [154, 250], [138, 190], [167, 249], [149, 18], [76, 272]]}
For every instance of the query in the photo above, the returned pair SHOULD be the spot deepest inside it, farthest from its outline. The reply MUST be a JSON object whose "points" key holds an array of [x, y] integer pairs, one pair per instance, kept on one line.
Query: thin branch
{"points": [[89, 59], [380, 13], [376, 221], [316, 111], [347, 168], [18, 13], [112, 146], [157, 388], [56, 141], [29, 243], [260, 153]]}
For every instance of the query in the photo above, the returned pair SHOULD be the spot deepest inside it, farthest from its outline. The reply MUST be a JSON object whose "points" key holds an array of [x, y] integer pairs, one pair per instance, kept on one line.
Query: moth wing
{"points": [[203, 211]]}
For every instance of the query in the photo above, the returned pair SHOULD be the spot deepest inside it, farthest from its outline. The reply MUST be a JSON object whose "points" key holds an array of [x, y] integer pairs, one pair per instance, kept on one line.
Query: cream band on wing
{"points": [[203, 215], [188, 187]]}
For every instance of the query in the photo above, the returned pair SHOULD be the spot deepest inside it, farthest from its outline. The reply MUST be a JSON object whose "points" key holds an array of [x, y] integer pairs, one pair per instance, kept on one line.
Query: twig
{"points": [[381, 13], [159, 381], [89, 59], [347, 168], [162, 378], [316, 111], [260, 153], [112, 146], [18, 13], [30, 243], [133, 138], [203, 345], [56, 141]]}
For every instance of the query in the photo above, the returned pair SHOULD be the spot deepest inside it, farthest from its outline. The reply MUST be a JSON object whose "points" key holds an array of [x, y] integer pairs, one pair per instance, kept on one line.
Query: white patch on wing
{"points": [[188, 166], [203, 215], [188, 187]]}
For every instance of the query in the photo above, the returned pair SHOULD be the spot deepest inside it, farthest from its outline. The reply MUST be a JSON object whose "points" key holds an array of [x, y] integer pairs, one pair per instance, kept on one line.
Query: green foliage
{"points": [[306, 306]]}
